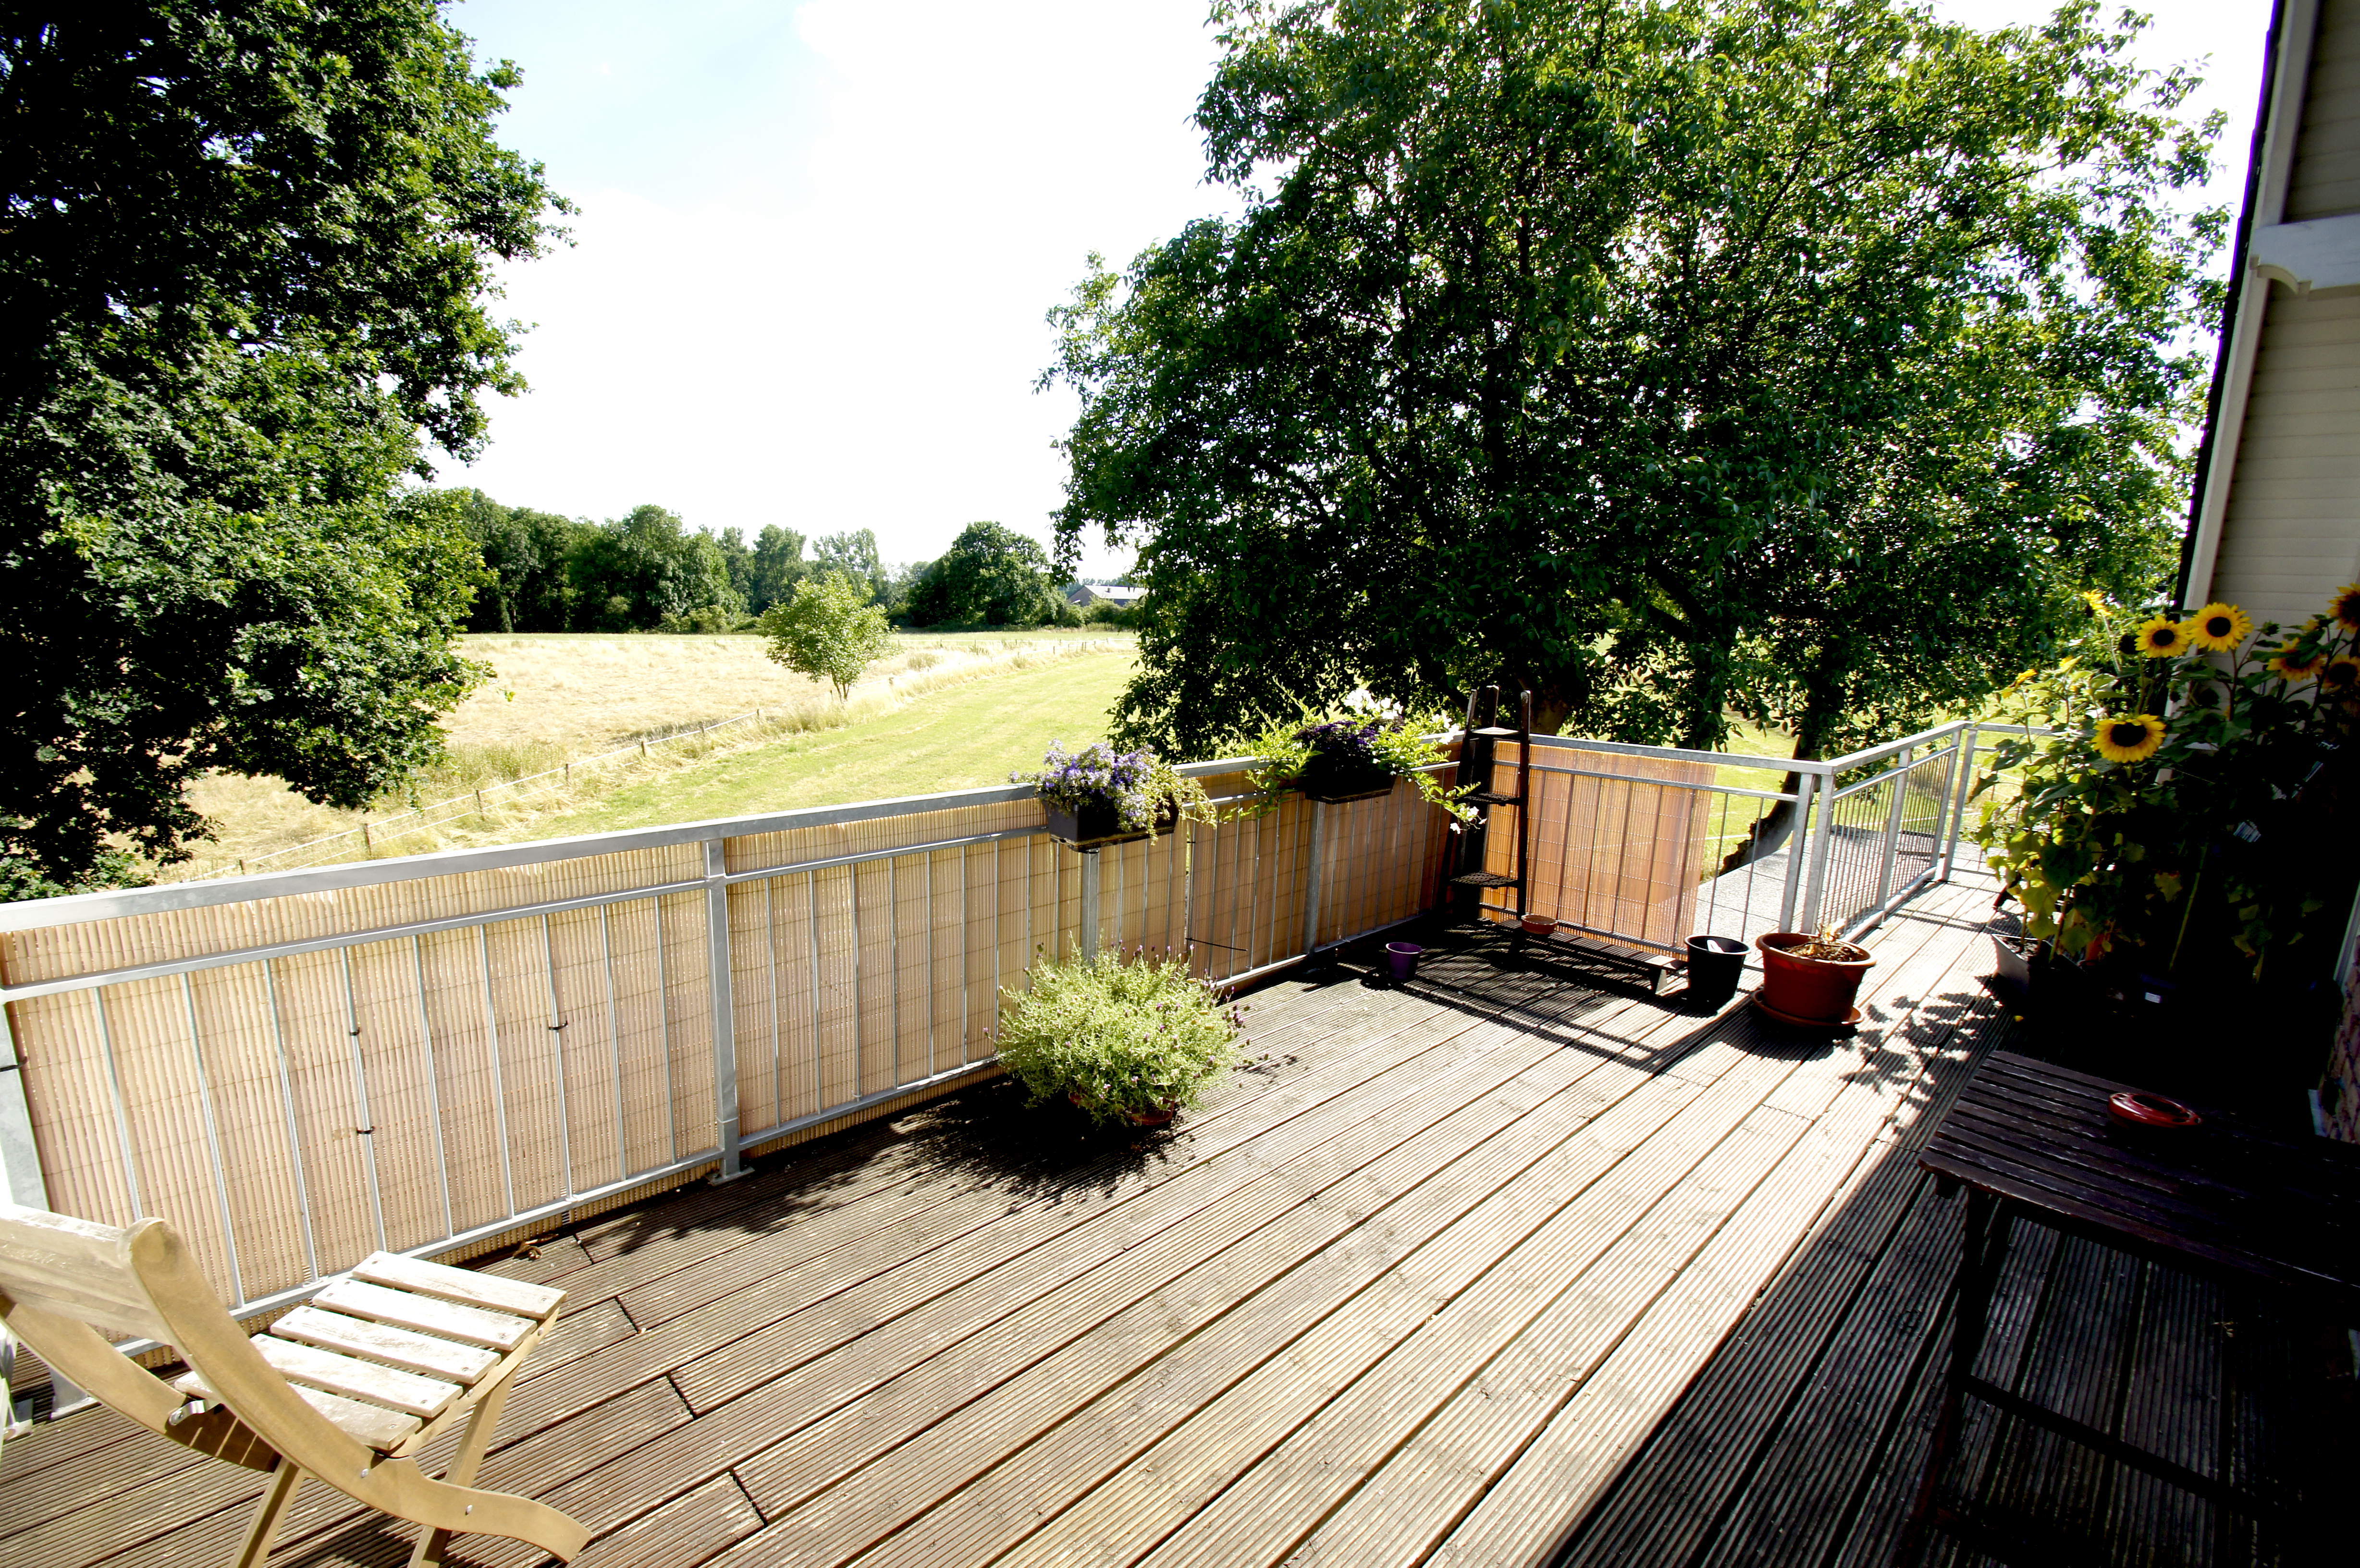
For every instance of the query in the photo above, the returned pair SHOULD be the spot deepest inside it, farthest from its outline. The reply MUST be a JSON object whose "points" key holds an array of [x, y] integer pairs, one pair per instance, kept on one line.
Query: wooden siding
{"points": [[2325, 180], [2291, 533]]}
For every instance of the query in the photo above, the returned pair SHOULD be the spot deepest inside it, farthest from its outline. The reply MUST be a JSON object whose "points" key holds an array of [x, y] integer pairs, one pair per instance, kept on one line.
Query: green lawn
{"points": [[967, 735]]}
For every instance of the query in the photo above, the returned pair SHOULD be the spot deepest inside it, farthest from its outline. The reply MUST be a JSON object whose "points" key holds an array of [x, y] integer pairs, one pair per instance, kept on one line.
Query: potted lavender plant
{"points": [[1098, 796], [1354, 755]]}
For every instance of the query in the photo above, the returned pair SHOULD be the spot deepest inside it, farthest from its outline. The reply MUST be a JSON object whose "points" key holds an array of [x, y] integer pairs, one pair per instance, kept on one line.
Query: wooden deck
{"points": [[1413, 1288]]}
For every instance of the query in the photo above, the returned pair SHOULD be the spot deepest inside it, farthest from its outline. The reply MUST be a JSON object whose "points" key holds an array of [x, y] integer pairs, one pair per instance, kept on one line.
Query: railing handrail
{"points": [[77, 909], [115, 903]]}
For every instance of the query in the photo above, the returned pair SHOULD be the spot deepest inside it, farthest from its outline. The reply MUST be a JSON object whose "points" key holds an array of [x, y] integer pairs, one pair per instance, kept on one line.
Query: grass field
{"points": [[559, 698], [972, 734]]}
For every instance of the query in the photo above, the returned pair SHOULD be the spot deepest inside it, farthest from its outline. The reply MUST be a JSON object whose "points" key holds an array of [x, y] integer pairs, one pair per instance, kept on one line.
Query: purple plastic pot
{"points": [[1401, 959]]}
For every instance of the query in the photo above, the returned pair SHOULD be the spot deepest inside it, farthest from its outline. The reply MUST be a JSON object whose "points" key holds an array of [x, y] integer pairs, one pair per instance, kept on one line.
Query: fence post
{"points": [[1954, 780], [1969, 742], [1885, 857], [1090, 931], [365, 834], [722, 982], [1317, 873], [1820, 849], [1797, 850]]}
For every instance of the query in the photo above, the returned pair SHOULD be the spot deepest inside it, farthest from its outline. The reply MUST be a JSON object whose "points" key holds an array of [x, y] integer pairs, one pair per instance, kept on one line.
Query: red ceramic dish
{"points": [[2140, 1108]]}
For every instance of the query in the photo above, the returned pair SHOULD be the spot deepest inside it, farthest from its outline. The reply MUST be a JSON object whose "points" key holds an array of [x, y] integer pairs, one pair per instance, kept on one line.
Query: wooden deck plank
{"points": [[777, 1407], [1099, 1436], [1454, 1403], [1345, 1309], [1235, 1248], [1458, 1159], [1554, 1221]]}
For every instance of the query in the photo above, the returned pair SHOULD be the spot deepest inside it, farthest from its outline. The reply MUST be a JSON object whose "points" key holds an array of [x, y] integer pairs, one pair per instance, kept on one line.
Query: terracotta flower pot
{"points": [[1539, 925], [1809, 990]]}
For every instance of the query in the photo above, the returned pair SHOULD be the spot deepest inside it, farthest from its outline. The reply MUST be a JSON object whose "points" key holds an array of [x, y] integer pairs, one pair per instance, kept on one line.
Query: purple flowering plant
{"points": [[1366, 733], [1136, 784]]}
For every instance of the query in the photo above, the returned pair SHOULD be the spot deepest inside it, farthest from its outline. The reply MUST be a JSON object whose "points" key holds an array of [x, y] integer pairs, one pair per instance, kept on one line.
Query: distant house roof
{"points": [[1115, 593]]}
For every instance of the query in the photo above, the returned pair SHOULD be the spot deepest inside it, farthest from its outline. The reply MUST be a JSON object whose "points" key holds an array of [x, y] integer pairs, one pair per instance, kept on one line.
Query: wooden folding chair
{"points": [[347, 1389]]}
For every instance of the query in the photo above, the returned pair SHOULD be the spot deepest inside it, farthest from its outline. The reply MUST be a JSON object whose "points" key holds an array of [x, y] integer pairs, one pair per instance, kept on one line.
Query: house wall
{"points": [[2290, 527], [2290, 530]]}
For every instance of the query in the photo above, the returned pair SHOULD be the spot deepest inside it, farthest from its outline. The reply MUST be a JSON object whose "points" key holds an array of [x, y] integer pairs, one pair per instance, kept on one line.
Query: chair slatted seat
{"points": [[348, 1388]]}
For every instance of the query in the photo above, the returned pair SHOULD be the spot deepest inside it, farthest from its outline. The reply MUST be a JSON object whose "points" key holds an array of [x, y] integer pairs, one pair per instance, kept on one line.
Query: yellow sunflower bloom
{"points": [[2163, 636], [2297, 664], [2342, 676], [2345, 606], [2219, 628], [2133, 739]]}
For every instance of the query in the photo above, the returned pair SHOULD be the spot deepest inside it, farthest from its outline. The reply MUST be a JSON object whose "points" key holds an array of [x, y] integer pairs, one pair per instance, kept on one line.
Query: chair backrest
{"points": [[76, 1269], [64, 1279]]}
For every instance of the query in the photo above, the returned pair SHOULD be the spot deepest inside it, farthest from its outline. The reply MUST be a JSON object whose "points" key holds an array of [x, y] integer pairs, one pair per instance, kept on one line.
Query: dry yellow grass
{"points": [[556, 698]]}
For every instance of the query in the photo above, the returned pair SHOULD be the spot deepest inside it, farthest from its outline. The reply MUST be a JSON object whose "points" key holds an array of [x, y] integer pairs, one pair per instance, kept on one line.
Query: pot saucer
{"points": [[1848, 1021]]}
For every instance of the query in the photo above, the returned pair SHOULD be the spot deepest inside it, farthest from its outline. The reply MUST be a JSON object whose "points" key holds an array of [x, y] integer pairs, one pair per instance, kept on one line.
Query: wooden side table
{"points": [[2034, 1142]]}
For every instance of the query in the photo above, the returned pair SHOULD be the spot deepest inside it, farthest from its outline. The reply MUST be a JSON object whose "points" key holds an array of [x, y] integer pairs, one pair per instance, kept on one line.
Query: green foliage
{"points": [[852, 554], [2189, 803], [1362, 734], [1123, 1037], [246, 265], [1796, 359], [1139, 786], [992, 576], [829, 631], [773, 568], [655, 566]]}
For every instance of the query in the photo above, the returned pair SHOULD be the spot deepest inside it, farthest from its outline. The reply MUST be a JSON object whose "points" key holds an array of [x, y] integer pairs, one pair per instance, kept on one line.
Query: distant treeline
{"points": [[650, 570]]}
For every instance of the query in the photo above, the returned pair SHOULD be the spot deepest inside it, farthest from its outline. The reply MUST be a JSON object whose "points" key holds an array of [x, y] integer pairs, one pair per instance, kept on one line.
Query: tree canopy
{"points": [[245, 267], [1797, 360], [991, 575], [829, 630]]}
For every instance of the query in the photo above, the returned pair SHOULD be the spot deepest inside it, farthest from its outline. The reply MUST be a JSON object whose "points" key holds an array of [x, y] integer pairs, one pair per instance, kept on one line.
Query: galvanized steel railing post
{"points": [[20, 1160], [1969, 742], [1090, 931], [1821, 848], [1953, 786], [1316, 871], [722, 983], [1892, 847], [1798, 847]]}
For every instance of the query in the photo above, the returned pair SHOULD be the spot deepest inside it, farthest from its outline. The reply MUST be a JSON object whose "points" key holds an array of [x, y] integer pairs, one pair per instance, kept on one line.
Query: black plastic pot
{"points": [[1098, 826], [1333, 780], [1716, 963]]}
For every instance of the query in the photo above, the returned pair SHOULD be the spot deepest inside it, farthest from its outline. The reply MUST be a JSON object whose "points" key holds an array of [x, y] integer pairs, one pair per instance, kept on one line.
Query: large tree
{"points": [[244, 266], [991, 575], [1801, 360]]}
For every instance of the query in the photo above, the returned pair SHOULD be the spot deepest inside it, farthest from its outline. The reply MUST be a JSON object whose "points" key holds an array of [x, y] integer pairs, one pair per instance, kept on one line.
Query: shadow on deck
{"points": [[1414, 1287]]}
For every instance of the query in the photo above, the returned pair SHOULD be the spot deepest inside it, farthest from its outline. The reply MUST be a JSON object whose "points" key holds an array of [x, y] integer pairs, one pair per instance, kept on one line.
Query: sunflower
{"points": [[2298, 663], [2219, 628], [2342, 676], [2345, 606], [2133, 739], [2163, 636]]}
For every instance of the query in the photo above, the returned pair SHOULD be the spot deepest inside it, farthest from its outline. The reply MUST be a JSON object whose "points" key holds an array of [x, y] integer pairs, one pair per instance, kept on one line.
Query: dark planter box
{"points": [[2030, 977], [1334, 782], [1096, 827]]}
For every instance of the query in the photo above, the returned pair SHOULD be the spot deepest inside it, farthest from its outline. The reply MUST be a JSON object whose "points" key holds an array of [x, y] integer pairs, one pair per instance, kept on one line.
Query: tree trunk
{"points": [[1774, 827]]}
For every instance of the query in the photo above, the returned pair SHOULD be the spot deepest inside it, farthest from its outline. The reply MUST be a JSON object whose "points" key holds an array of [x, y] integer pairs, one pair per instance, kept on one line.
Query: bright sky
{"points": [[816, 243]]}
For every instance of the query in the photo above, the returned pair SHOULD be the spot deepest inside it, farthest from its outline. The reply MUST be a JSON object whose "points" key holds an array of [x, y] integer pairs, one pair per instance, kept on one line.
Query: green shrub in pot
{"points": [[1132, 1038]]}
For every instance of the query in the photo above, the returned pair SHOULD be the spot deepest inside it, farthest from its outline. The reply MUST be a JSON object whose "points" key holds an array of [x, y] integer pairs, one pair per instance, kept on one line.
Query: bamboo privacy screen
{"points": [[1617, 841], [418, 1055]]}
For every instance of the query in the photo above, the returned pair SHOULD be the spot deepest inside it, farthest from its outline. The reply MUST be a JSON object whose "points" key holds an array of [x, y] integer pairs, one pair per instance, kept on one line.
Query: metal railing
{"points": [[1854, 837], [422, 1055]]}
